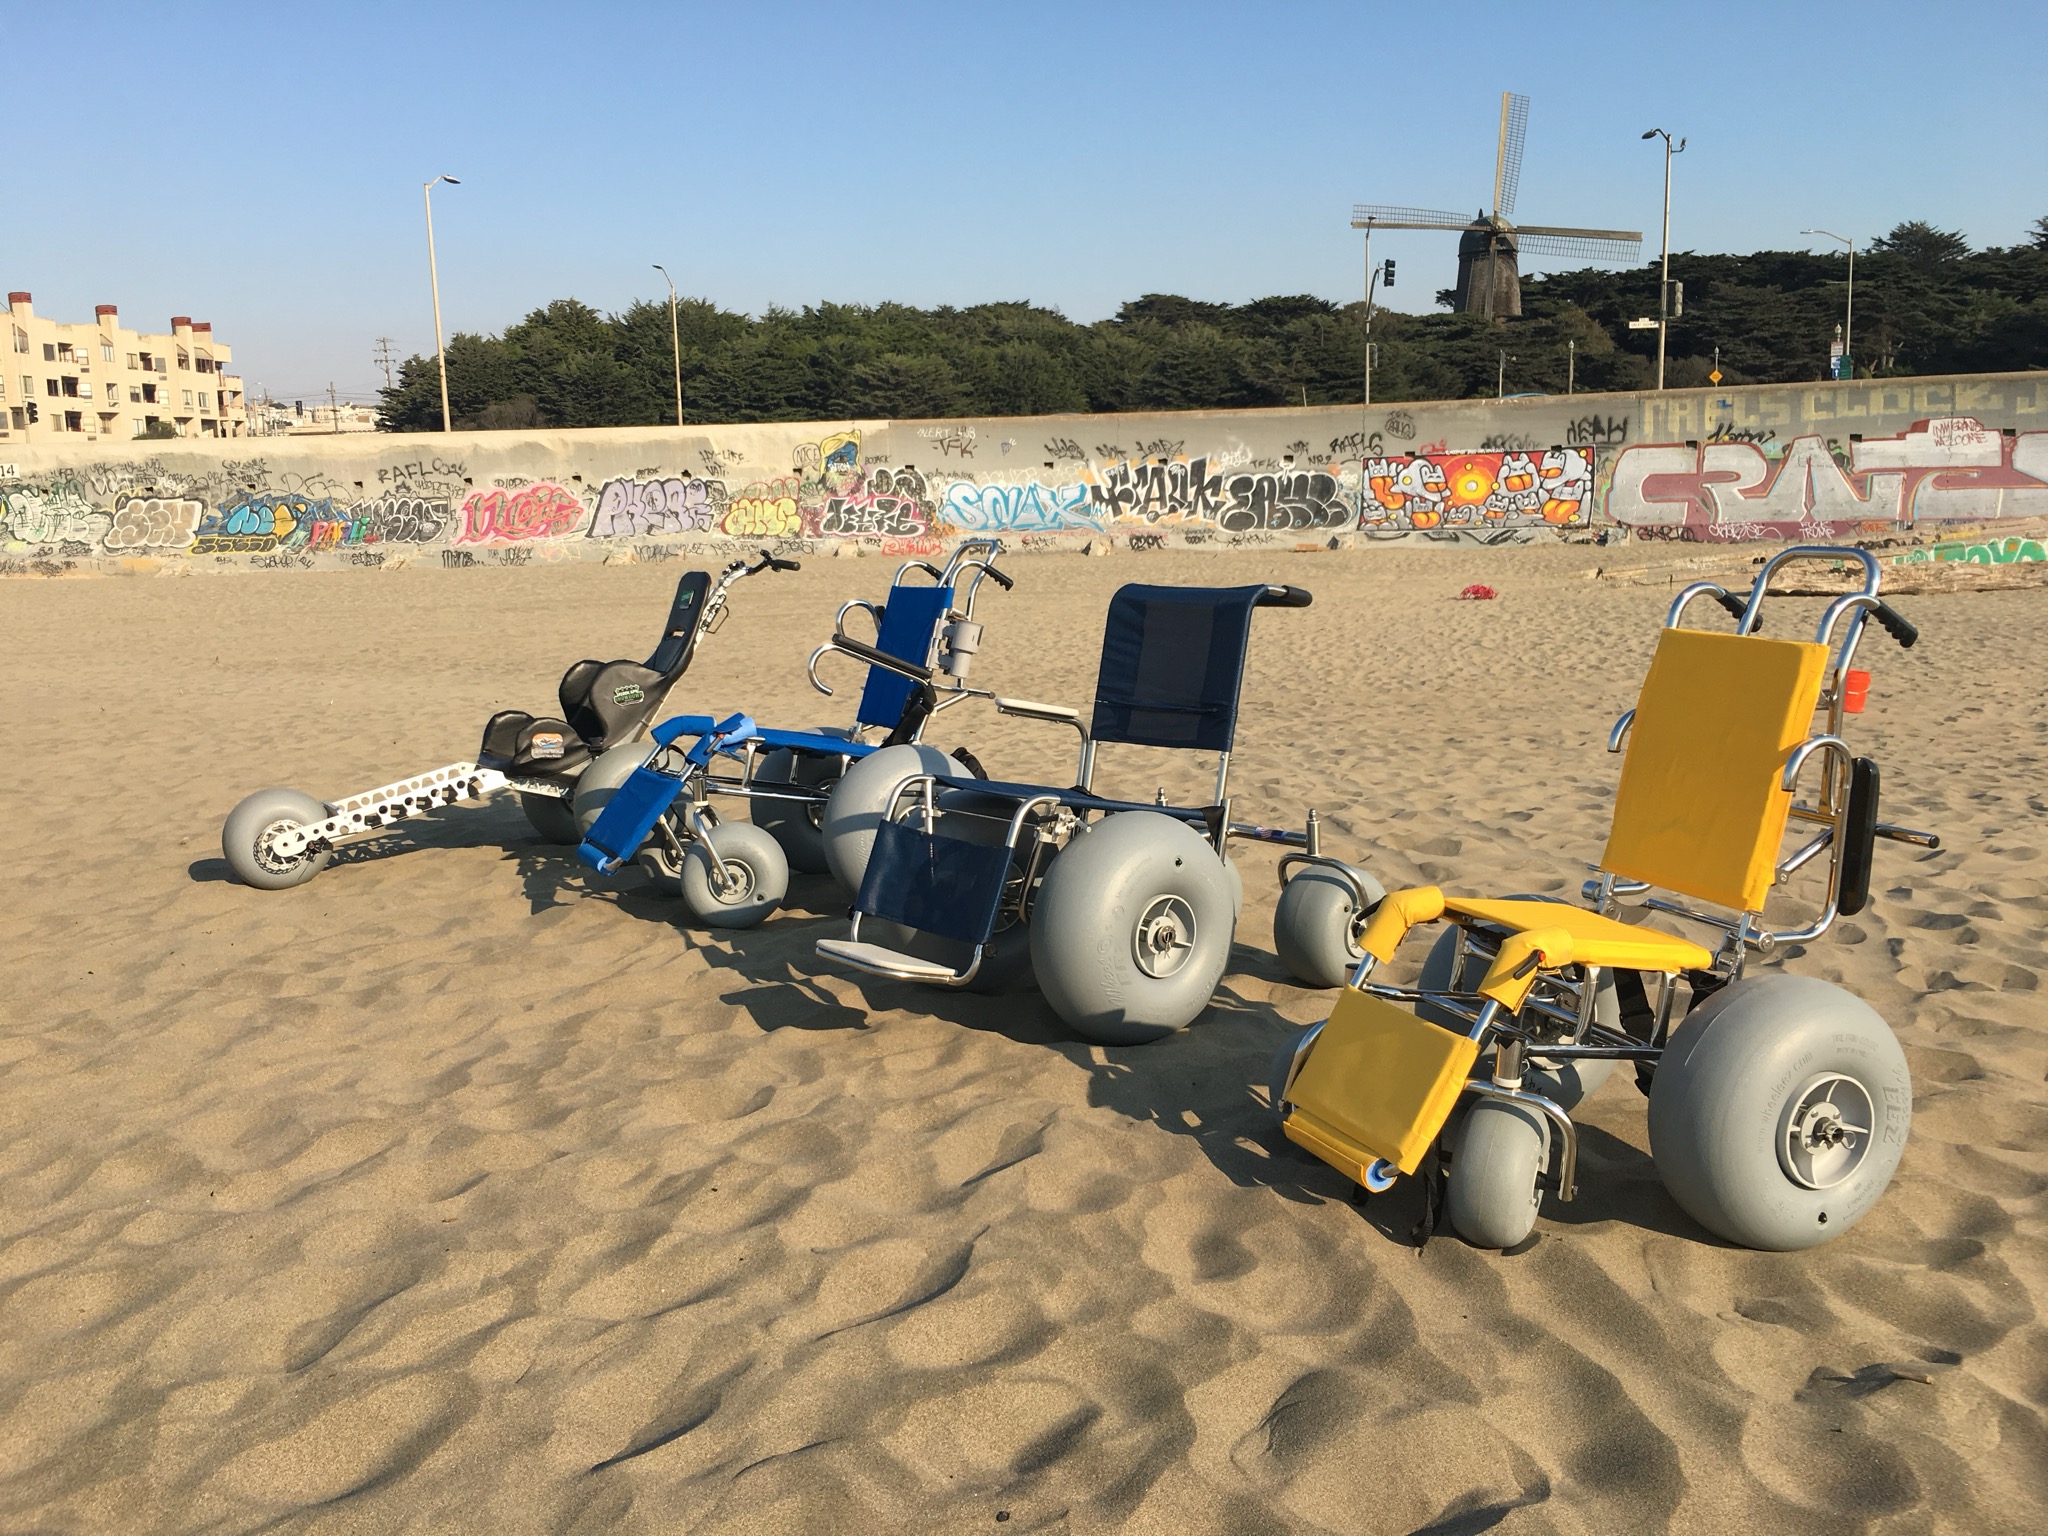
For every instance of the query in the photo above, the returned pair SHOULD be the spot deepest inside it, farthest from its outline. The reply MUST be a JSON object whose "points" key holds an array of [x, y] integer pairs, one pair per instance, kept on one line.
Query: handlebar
{"points": [[1283, 597], [1737, 608], [1896, 625], [862, 651], [771, 563]]}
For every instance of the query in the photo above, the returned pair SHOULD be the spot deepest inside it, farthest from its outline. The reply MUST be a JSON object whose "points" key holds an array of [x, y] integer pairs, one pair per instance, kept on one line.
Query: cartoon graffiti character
{"points": [[1414, 487], [1566, 475], [1515, 492]]}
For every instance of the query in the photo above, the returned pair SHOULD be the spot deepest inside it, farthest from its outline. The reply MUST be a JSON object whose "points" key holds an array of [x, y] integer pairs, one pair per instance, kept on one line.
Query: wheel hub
{"points": [[1165, 936], [737, 884], [1827, 1131], [266, 847]]}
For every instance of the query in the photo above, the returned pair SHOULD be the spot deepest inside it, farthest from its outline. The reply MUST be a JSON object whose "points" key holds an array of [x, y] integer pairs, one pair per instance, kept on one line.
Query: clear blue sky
{"points": [[260, 166]]}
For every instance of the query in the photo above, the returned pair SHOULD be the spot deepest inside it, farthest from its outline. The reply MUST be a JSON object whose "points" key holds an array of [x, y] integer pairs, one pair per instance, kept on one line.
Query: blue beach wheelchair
{"points": [[1123, 910], [651, 802]]}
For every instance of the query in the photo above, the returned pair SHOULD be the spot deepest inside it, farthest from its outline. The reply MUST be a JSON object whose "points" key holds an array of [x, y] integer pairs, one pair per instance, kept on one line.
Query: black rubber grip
{"points": [[1897, 625], [1736, 606], [1005, 582], [883, 659], [1285, 597]]}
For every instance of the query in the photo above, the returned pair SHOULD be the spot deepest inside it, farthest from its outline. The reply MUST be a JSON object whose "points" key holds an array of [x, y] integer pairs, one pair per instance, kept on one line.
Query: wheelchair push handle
{"points": [[1896, 624], [1284, 597], [875, 657], [770, 562], [1737, 607]]}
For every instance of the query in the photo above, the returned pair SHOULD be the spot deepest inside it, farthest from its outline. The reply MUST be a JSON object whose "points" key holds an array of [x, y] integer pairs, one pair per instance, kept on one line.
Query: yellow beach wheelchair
{"points": [[1779, 1104]]}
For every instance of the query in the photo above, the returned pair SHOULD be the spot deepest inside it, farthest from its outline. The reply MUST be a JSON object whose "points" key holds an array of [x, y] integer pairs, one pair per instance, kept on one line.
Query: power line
{"points": [[384, 359]]}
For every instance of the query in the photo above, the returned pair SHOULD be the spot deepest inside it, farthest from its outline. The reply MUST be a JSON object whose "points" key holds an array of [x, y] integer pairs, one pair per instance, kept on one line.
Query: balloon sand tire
{"points": [[249, 824], [1132, 928], [1316, 926], [1779, 1112], [1492, 1197], [854, 808], [554, 818], [754, 856], [796, 824]]}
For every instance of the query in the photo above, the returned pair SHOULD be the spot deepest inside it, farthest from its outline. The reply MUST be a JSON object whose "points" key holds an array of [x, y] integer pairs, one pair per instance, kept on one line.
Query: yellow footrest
{"points": [[1378, 1083]]}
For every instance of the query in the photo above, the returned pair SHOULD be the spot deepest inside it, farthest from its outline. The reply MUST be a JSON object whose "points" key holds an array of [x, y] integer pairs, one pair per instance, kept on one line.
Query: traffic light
{"points": [[1390, 272], [34, 415]]}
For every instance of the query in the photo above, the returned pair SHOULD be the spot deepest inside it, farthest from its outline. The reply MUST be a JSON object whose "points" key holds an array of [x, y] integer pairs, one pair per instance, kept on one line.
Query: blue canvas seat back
{"points": [[1172, 666], [910, 618], [938, 885]]}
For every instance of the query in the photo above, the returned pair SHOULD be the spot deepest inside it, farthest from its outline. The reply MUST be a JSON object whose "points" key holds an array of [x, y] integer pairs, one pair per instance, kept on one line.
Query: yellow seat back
{"points": [[1700, 810]]}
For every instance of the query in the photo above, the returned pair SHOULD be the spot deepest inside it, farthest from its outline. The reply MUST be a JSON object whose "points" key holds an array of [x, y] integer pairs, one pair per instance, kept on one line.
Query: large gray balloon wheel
{"points": [[754, 860], [553, 818], [854, 808], [1317, 923], [1132, 928], [246, 834], [1779, 1112], [795, 824], [1492, 1198], [601, 779], [663, 869]]}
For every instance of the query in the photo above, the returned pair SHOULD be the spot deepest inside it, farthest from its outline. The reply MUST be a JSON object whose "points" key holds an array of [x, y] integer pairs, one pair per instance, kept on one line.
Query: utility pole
{"points": [[1571, 365], [675, 339], [333, 406], [434, 277], [1664, 287], [384, 359]]}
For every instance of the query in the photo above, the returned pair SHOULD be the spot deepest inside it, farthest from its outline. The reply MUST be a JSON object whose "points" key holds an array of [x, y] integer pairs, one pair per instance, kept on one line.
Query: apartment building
{"points": [[104, 380]]}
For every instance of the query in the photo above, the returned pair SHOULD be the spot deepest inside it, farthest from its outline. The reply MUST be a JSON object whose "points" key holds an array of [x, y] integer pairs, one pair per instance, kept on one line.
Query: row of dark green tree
{"points": [[1925, 303]]}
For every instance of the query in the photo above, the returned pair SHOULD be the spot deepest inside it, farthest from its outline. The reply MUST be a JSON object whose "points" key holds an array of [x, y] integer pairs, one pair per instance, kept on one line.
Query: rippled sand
{"points": [[462, 1190]]}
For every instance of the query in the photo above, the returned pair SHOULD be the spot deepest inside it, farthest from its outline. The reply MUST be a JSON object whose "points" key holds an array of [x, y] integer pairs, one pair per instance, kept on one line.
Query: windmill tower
{"points": [[1490, 246]]}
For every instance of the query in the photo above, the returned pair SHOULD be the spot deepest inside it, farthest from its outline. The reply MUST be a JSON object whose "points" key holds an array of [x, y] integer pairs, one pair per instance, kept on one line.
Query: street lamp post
{"points": [[1664, 287], [675, 339], [1370, 276], [1500, 380], [1849, 319], [434, 276]]}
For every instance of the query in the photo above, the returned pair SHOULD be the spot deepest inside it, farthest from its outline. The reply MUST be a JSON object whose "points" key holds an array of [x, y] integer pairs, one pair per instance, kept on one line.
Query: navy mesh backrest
{"points": [[909, 619], [1172, 665]]}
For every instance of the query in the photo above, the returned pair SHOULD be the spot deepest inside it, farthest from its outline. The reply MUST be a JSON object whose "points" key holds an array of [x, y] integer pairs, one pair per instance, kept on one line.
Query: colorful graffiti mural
{"points": [[1952, 469], [1212, 481], [1422, 491]]}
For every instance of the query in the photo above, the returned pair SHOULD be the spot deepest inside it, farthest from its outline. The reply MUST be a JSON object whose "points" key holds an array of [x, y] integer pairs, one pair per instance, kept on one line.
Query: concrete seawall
{"points": [[1867, 460]]}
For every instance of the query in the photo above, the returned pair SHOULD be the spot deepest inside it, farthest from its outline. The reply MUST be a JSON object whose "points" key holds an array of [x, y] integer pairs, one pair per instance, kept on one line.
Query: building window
{"points": [[50, 387], [28, 386], [131, 359], [135, 394], [64, 352], [85, 389], [149, 393], [72, 422], [20, 339], [106, 351], [70, 387], [147, 365], [188, 399], [49, 352], [184, 358], [163, 365]]}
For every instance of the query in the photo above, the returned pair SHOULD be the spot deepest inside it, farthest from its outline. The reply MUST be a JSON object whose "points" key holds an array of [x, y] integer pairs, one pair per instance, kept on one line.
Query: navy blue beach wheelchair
{"points": [[652, 802], [1123, 910]]}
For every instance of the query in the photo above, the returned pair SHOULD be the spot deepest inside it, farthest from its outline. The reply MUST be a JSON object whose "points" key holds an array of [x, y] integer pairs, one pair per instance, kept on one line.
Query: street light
{"points": [[1500, 380], [1848, 320], [1664, 287], [434, 276], [674, 339]]}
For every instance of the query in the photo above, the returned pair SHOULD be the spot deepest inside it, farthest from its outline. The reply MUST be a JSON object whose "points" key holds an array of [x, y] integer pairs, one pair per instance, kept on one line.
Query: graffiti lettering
{"points": [[1590, 431], [1143, 542], [399, 519], [885, 516], [1149, 492], [1352, 445], [639, 508], [758, 512], [421, 471], [1017, 508], [153, 522], [33, 517], [1160, 448], [1284, 501], [2000, 552], [1062, 449], [542, 510], [1503, 442], [1400, 424], [1724, 432], [953, 440]]}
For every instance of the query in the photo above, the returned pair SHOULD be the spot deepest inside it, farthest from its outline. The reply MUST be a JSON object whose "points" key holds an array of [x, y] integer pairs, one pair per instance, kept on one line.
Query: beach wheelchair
{"points": [[1123, 910], [277, 838], [651, 802], [1778, 1104]]}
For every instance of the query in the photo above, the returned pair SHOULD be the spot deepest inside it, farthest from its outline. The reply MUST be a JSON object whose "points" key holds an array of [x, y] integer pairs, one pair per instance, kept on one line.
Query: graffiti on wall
{"points": [[1991, 552], [153, 522], [637, 509], [1552, 488], [542, 510], [1951, 469]]}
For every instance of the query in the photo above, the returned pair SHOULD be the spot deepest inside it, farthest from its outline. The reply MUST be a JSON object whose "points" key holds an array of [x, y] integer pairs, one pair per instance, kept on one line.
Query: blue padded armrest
{"points": [[813, 741], [683, 725], [910, 619]]}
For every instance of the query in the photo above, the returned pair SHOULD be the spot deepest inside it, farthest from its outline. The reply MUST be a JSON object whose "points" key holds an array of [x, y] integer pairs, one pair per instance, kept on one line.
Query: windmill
{"points": [[1488, 251]]}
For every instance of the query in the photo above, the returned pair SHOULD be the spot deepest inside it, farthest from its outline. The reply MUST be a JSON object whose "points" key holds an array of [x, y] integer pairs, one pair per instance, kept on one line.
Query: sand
{"points": [[463, 1190]]}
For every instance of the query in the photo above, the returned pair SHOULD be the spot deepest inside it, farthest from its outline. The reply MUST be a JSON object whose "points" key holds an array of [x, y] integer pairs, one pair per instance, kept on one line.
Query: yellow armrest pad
{"points": [[1552, 948], [1400, 911]]}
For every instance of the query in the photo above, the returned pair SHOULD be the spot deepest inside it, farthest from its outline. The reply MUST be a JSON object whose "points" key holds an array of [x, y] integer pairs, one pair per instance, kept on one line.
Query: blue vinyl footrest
{"points": [[937, 885], [630, 816]]}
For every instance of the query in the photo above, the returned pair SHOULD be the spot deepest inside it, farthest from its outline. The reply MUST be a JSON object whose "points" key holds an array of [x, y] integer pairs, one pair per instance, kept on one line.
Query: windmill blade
{"points": [[1383, 216], [1587, 247], [1579, 234], [1507, 163]]}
